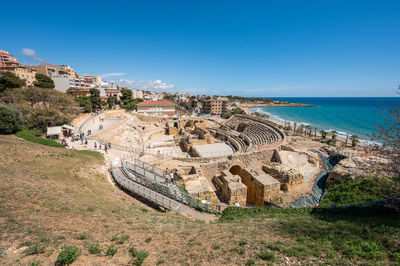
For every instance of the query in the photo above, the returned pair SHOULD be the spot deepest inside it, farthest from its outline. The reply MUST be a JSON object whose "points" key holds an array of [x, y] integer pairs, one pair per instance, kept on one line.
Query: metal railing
{"points": [[152, 179], [145, 192]]}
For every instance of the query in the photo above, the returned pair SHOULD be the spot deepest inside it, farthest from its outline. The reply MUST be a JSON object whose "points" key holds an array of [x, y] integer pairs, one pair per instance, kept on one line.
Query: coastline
{"points": [[340, 137], [254, 105]]}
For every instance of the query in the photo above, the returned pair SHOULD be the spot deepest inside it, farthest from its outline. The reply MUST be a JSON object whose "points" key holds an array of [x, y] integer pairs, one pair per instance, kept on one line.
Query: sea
{"points": [[347, 115]]}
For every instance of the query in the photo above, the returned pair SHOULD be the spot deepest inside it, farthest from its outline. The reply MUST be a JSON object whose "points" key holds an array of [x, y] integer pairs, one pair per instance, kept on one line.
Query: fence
{"points": [[152, 179], [145, 192]]}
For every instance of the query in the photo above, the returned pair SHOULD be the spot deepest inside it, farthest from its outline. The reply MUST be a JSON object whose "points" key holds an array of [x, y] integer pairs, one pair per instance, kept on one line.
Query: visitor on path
{"points": [[172, 177], [100, 146], [105, 148], [86, 142], [109, 145], [95, 145]]}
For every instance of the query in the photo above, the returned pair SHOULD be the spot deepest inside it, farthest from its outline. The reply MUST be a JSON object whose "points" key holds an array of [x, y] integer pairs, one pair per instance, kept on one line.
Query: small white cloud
{"points": [[111, 74], [156, 85], [31, 54]]}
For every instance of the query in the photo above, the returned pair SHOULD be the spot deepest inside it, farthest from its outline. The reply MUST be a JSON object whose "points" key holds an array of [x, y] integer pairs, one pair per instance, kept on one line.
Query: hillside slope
{"points": [[52, 197]]}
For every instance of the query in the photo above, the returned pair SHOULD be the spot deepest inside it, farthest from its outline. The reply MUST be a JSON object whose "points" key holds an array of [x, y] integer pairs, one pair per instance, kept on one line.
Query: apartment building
{"points": [[163, 107], [215, 106], [10, 63], [7, 60]]}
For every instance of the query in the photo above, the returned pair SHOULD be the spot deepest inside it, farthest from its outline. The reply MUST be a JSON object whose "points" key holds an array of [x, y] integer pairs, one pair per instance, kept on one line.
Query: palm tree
{"points": [[309, 130], [315, 132], [354, 140], [301, 129], [294, 126], [323, 134], [334, 134]]}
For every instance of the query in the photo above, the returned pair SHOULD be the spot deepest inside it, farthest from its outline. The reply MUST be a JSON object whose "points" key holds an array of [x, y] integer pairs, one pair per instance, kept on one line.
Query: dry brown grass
{"points": [[52, 196]]}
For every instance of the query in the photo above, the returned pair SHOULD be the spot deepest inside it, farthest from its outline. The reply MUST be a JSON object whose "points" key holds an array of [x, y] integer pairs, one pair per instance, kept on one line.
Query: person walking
{"points": [[105, 148], [95, 145]]}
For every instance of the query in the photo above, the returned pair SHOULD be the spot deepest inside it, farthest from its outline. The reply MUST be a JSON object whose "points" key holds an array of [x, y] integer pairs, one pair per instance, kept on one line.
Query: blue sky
{"points": [[248, 48]]}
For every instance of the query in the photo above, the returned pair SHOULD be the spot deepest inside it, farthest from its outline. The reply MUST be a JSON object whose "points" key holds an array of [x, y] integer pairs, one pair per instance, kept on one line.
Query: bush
{"points": [[25, 134], [68, 255], [10, 121], [111, 250], [148, 240], [35, 249], [94, 248], [138, 256], [265, 255]]}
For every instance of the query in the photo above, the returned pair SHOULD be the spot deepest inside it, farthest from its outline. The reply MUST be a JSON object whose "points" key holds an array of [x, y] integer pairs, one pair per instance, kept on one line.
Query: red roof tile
{"points": [[156, 103]]}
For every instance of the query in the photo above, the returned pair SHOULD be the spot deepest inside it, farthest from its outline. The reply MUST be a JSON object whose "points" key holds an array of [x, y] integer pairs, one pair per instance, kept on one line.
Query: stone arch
{"points": [[176, 124], [236, 170]]}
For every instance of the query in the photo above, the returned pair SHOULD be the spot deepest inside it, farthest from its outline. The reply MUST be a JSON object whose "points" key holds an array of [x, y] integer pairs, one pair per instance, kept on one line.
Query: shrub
{"points": [[82, 237], [138, 256], [94, 248], [250, 262], [148, 240], [10, 121], [265, 255], [216, 246], [120, 239], [25, 134], [160, 262], [35, 249], [68, 255], [111, 250], [243, 242]]}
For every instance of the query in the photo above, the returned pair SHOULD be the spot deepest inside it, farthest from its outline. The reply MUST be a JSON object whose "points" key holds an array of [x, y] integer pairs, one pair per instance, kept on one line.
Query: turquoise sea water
{"points": [[345, 115]]}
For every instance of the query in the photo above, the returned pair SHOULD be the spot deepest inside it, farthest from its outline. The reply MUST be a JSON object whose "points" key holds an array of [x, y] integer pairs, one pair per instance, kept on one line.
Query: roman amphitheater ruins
{"points": [[242, 161]]}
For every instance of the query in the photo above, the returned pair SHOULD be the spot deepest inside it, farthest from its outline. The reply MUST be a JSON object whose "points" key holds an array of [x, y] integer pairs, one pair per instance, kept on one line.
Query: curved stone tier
{"points": [[246, 133]]}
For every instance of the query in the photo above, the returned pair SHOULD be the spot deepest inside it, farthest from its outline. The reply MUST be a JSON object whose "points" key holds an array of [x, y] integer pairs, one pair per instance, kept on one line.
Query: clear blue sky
{"points": [[252, 48]]}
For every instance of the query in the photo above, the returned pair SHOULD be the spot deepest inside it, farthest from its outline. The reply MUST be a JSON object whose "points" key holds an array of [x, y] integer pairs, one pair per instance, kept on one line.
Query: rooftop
{"points": [[156, 103]]}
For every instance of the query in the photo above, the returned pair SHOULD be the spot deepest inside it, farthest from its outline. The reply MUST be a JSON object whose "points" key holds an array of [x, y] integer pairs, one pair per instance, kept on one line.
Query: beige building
{"points": [[23, 72], [215, 106], [50, 70], [163, 107], [7, 60]]}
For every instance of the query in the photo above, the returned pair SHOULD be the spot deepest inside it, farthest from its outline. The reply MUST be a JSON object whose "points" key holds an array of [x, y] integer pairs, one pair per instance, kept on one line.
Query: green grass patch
{"points": [[138, 256], [353, 234], [25, 134], [268, 256], [68, 255], [94, 248], [111, 250], [357, 191], [120, 239], [37, 248]]}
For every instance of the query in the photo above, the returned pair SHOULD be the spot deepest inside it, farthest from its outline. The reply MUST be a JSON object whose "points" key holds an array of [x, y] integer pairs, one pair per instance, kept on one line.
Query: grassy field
{"points": [[60, 205]]}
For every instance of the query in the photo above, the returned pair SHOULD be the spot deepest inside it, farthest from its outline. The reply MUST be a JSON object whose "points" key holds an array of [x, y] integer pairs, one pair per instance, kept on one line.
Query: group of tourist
{"points": [[107, 146]]}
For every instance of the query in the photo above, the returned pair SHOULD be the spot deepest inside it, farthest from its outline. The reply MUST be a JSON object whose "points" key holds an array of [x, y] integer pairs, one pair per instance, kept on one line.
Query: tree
{"points": [[334, 134], [323, 134], [9, 81], [354, 140], [126, 96], [111, 101], [10, 121], [95, 99], [389, 135], [193, 103], [43, 81]]}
